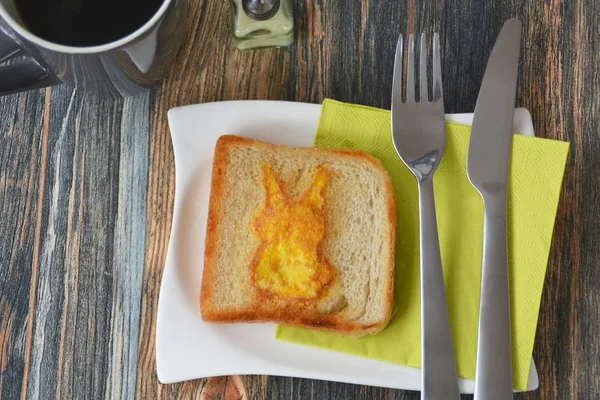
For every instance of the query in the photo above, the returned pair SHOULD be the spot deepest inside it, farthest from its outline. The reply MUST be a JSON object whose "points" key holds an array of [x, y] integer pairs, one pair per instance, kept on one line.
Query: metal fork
{"points": [[418, 133]]}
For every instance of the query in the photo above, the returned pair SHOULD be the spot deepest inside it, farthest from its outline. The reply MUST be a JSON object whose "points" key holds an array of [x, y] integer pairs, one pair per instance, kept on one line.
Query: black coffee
{"points": [[85, 22]]}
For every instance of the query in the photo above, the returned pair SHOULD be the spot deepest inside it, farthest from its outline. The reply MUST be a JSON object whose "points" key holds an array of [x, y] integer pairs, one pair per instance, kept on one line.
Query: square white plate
{"points": [[188, 348]]}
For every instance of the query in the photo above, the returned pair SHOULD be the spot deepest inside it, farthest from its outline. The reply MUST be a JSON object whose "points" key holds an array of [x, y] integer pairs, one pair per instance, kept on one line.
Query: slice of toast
{"points": [[299, 236]]}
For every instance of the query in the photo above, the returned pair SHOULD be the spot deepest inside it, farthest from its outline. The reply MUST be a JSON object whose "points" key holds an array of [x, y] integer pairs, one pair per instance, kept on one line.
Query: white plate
{"points": [[188, 348]]}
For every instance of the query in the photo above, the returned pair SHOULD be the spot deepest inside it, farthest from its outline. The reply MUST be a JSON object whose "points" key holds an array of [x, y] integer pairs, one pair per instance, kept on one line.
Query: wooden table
{"points": [[87, 186]]}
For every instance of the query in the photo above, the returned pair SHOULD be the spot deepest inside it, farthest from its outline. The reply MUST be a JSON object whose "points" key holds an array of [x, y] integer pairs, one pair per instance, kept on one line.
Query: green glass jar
{"points": [[262, 23]]}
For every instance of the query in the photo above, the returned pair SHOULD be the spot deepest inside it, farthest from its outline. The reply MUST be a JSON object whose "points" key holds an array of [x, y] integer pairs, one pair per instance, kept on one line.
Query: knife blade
{"points": [[487, 168]]}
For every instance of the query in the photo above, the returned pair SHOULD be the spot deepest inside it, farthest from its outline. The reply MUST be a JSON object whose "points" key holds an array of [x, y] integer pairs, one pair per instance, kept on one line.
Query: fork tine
{"points": [[410, 70], [423, 93], [397, 78], [438, 93]]}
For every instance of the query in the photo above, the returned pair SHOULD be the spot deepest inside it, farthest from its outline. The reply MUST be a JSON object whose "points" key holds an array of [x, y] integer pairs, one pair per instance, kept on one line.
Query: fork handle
{"points": [[438, 366], [493, 377]]}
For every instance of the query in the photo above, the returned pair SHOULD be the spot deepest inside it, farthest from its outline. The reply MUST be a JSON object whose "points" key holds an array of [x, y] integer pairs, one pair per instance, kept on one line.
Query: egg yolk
{"points": [[289, 261]]}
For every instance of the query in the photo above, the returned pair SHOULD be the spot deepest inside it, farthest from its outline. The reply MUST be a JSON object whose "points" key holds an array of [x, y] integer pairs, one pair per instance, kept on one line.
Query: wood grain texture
{"points": [[21, 179], [74, 186], [86, 194]]}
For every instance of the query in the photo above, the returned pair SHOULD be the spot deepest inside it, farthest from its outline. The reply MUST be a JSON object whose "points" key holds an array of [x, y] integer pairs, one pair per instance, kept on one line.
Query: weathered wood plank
{"points": [[74, 333], [88, 289], [129, 248], [22, 152], [558, 87]]}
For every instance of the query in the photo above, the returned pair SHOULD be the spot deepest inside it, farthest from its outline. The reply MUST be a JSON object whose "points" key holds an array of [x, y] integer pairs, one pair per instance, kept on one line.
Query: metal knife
{"points": [[487, 168]]}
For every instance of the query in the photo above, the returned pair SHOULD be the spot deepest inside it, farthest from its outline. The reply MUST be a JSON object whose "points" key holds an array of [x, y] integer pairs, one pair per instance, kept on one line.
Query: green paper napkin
{"points": [[536, 173]]}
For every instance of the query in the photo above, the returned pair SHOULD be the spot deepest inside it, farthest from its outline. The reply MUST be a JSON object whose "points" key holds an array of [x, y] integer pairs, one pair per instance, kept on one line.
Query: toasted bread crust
{"points": [[263, 312]]}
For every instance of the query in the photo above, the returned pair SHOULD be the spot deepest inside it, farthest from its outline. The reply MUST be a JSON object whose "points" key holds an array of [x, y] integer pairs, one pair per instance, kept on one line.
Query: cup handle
{"points": [[28, 72]]}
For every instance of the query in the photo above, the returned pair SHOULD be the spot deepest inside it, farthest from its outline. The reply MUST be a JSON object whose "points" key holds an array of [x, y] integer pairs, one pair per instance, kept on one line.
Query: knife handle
{"points": [[438, 366], [493, 373]]}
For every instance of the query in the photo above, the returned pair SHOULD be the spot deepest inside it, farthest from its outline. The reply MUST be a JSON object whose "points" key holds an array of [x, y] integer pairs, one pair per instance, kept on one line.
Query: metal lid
{"points": [[260, 10]]}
